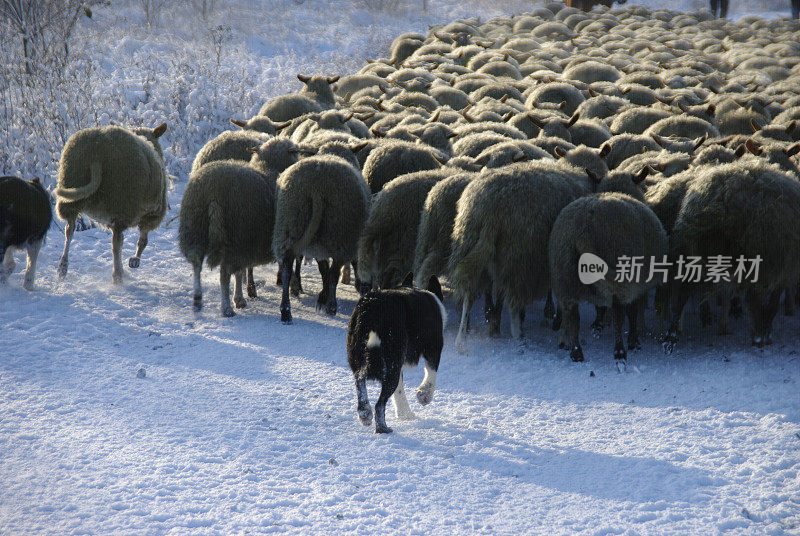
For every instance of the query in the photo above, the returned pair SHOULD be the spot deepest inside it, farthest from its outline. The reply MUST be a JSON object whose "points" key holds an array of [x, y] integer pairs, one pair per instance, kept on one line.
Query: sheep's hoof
{"points": [[669, 342], [228, 312], [116, 279], [134, 262], [240, 303], [251, 290], [365, 416], [634, 344], [382, 429], [27, 285], [549, 311], [331, 308], [197, 302], [286, 316], [461, 345], [557, 322], [295, 286], [62, 269], [620, 353], [597, 329], [576, 354], [3, 279]]}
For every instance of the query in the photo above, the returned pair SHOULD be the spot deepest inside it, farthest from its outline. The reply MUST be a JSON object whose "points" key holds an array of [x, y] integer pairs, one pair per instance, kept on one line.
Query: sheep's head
{"points": [[152, 135], [259, 123], [319, 86], [625, 182], [275, 155]]}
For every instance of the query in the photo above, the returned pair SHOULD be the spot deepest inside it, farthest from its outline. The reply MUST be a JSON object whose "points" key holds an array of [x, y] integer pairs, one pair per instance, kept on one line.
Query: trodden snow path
{"points": [[245, 425]]}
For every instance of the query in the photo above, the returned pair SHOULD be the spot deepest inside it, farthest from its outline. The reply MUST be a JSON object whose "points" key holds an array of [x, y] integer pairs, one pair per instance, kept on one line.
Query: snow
{"points": [[247, 426]]}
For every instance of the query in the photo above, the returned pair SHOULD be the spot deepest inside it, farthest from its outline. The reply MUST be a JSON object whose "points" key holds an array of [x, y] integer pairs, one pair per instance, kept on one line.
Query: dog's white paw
{"points": [[425, 394]]}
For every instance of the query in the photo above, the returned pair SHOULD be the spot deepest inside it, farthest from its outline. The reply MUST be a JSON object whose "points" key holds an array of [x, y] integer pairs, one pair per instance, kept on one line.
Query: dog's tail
{"points": [[82, 192], [373, 341]]}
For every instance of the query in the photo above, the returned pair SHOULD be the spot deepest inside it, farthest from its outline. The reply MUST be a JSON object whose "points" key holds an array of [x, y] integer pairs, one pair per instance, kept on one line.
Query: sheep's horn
{"points": [[435, 117], [240, 124], [560, 152], [159, 130], [303, 79], [699, 142], [281, 126], [347, 117], [790, 127], [504, 98], [755, 126], [604, 150], [254, 150], [508, 117], [378, 132], [658, 139], [364, 116]]}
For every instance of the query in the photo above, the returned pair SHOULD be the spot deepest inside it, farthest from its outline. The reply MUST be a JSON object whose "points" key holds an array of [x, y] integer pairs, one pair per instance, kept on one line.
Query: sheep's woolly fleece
{"points": [[248, 426]]}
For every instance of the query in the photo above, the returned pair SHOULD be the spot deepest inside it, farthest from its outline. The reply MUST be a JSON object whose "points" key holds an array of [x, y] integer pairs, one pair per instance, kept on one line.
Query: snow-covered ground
{"points": [[247, 426]]}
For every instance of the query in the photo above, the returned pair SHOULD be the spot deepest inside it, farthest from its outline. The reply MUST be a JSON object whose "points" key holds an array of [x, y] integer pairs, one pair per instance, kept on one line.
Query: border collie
{"points": [[25, 216], [389, 331]]}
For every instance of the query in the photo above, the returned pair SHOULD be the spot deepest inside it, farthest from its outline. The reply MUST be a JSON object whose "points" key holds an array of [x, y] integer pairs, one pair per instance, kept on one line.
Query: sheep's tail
{"points": [[216, 234], [469, 260], [312, 228], [82, 192]]}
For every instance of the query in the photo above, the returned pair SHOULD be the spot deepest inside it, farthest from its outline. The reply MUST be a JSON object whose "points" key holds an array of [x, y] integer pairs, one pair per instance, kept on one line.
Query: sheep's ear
{"points": [[711, 110], [347, 117], [604, 150], [790, 127], [755, 126], [626, 90], [408, 280], [451, 133], [435, 288], [699, 142], [380, 133], [658, 139], [255, 150], [753, 148], [281, 126], [332, 79], [303, 79], [793, 150], [481, 161], [595, 179], [535, 121], [508, 117], [639, 177], [560, 152], [434, 117], [504, 98], [364, 116], [739, 152], [468, 117], [519, 156], [358, 146], [240, 124], [562, 104], [159, 130], [573, 119]]}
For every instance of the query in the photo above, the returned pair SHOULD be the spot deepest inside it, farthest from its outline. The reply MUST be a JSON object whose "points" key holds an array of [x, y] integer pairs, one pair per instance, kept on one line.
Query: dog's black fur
{"points": [[25, 216], [389, 330]]}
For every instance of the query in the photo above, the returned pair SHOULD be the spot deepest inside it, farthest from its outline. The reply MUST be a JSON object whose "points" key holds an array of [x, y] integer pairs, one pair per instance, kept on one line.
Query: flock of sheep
{"points": [[494, 154]]}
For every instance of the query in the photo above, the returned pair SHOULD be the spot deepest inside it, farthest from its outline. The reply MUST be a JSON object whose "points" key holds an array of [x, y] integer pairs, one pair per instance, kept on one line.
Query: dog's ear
{"points": [[408, 280], [435, 287]]}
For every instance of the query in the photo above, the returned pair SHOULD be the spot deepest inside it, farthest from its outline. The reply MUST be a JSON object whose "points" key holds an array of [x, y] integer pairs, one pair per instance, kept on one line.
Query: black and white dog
{"points": [[389, 331], [25, 216]]}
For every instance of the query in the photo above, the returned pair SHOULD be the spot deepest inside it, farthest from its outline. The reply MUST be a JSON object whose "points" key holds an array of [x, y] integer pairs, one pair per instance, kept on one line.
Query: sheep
{"points": [[636, 120], [665, 162], [230, 145], [403, 46], [602, 107], [227, 212], [686, 126], [25, 217], [714, 154], [556, 93], [321, 207], [610, 225], [398, 158], [591, 132], [623, 146], [501, 229], [711, 222], [477, 142], [386, 247], [592, 71], [505, 153], [315, 96], [259, 123], [117, 177]]}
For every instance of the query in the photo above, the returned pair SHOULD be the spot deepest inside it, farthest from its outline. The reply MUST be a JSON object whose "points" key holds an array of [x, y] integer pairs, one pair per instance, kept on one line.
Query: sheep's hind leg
{"points": [[251, 284], [69, 232], [116, 251], [364, 410], [324, 272], [30, 270], [197, 298], [599, 321], [7, 257], [295, 284], [238, 296], [572, 330], [225, 291], [618, 314], [331, 307], [134, 261], [286, 307], [346, 274], [461, 343]]}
